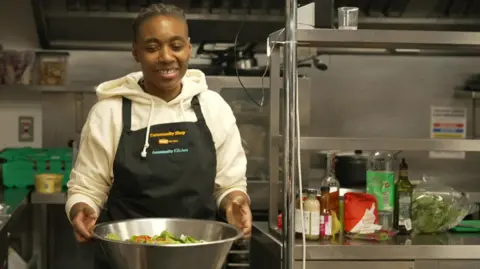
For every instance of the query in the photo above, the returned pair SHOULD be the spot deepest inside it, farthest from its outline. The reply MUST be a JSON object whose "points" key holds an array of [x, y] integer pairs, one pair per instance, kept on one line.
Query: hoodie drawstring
{"points": [[147, 134]]}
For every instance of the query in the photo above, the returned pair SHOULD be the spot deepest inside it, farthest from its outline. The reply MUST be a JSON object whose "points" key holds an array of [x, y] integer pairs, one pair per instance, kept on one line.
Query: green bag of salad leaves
{"points": [[437, 208]]}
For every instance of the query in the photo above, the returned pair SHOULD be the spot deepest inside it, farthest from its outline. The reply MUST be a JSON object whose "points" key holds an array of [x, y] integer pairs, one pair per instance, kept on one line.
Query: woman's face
{"points": [[163, 50]]}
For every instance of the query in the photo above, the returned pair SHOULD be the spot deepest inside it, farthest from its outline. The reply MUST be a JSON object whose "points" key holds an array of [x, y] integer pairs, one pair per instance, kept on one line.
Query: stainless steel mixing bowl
{"points": [[209, 255]]}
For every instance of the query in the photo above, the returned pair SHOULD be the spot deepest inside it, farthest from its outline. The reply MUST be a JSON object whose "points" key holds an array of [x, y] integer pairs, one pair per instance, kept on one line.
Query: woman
{"points": [[158, 143]]}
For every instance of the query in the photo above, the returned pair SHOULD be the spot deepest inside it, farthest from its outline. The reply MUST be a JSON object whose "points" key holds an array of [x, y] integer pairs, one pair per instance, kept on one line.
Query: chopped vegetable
{"points": [[113, 237], [164, 238]]}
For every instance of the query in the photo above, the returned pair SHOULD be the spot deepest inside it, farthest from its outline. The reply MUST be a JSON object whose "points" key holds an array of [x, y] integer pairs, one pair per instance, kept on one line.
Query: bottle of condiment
{"points": [[325, 214], [333, 184], [403, 200], [298, 214], [301, 196], [311, 216]]}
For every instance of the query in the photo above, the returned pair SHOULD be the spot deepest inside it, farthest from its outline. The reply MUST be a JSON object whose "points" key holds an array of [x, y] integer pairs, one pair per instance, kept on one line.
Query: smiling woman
{"points": [[162, 47], [158, 143]]}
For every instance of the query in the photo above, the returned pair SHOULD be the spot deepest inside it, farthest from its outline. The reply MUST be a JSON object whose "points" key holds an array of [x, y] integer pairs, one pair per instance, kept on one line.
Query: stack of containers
{"points": [[21, 165]]}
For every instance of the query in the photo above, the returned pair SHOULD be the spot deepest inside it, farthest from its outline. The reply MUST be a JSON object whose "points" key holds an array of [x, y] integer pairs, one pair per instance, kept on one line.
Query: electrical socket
{"points": [[25, 129]]}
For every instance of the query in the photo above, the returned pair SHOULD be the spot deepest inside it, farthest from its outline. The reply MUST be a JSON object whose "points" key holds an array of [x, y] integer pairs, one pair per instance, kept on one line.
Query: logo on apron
{"points": [[171, 137], [170, 151]]}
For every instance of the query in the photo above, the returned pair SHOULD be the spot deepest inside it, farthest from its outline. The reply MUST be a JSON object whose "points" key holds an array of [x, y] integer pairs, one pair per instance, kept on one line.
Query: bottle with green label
{"points": [[403, 200], [381, 184]]}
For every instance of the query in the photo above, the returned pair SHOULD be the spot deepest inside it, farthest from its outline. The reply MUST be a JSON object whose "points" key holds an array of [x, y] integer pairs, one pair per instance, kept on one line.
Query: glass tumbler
{"points": [[348, 18]]}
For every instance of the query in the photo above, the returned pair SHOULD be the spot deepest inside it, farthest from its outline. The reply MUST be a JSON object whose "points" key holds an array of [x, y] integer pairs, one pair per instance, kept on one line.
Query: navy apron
{"points": [[175, 180]]}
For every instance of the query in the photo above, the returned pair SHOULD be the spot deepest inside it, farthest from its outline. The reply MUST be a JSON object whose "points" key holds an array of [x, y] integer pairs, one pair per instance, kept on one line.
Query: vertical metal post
{"points": [[276, 88], [289, 162]]}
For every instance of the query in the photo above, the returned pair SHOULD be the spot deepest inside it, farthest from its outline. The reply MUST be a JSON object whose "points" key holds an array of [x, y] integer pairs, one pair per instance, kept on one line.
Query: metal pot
{"points": [[351, 169]]}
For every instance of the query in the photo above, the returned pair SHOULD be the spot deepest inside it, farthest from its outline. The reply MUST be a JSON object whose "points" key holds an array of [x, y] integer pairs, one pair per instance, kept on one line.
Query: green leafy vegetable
{"points": [[164, 238], [434, 213], [113, 237]]}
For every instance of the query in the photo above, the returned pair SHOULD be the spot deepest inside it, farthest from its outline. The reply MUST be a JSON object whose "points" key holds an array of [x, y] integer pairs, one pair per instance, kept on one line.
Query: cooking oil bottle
{"points": [[403, 200]]}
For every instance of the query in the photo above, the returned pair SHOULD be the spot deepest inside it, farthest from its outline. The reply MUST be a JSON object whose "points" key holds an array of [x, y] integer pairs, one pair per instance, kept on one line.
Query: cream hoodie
{"points": [[92, 176]]}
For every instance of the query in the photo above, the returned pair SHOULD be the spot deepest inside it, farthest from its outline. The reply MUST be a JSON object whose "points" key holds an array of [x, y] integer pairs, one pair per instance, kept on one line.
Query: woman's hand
{"points": [[83, 220], [239, 214]]}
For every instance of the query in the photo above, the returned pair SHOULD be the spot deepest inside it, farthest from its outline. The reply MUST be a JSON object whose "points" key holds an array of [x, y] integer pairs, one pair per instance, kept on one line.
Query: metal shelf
{"points": [[86, 87], [404, 144], [419, 23], [43, 198], [389, 40], [71, 88], [190, 16], [385, 39]]}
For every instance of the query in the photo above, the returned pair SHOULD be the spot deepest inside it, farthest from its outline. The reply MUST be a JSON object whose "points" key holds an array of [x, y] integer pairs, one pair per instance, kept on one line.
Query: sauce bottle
{"points": [[325, 214], [311, 215], [333, 184], [300, 198]]}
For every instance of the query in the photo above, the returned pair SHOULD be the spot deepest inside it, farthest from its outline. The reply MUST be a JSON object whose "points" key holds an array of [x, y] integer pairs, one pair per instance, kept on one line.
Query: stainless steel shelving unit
{"points": [[404, 144], [383, 39], [360, 39]]}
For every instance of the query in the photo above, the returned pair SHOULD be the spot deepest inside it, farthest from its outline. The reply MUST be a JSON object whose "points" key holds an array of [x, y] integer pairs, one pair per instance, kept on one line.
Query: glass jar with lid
{"points": [[311, 216]]}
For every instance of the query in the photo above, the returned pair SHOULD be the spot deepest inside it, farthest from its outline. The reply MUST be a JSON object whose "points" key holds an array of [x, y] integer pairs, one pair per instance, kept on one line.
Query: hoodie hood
{"points": [[193, 83]]}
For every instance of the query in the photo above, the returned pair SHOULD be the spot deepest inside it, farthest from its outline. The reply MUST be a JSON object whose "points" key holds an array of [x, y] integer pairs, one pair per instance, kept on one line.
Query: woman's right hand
{"points": [[83, 219]]}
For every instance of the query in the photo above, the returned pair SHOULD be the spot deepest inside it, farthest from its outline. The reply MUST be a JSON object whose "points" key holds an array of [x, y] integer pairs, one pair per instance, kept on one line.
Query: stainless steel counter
{"points": [[41, 203], [54, 198], [54, 241], [447, 246]]}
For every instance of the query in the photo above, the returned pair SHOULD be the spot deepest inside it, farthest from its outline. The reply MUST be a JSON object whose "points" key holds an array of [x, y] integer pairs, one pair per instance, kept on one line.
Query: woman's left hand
{"points": [[239, 214]]}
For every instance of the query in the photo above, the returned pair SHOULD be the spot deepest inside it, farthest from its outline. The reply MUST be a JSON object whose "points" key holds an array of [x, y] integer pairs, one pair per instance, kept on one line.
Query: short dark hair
{"points": [[156, 10]]}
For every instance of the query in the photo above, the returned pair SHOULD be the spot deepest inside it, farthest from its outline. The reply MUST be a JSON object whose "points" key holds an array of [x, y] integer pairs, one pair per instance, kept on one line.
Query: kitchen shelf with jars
{"points": [[34, 70], [399, 252]]}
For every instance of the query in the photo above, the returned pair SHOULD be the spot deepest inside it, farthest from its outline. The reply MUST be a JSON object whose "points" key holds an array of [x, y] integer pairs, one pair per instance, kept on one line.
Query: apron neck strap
{"points": [[127, 114], [197, 109]]}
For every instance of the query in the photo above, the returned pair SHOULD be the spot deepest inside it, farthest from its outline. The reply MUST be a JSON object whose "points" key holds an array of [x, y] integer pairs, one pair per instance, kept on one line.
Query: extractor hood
{"points": [[106, 24]]}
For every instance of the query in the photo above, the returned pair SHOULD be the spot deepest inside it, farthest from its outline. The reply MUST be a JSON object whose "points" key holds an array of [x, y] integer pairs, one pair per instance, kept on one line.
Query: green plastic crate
{"points": [[11, 154], [467, 226], [15, 197], [18, 173], [22, 164]]}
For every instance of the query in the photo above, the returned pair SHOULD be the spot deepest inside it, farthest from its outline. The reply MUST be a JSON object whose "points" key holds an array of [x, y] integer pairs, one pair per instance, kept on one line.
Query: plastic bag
{"points": [[360, 213], [437, 207]]}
